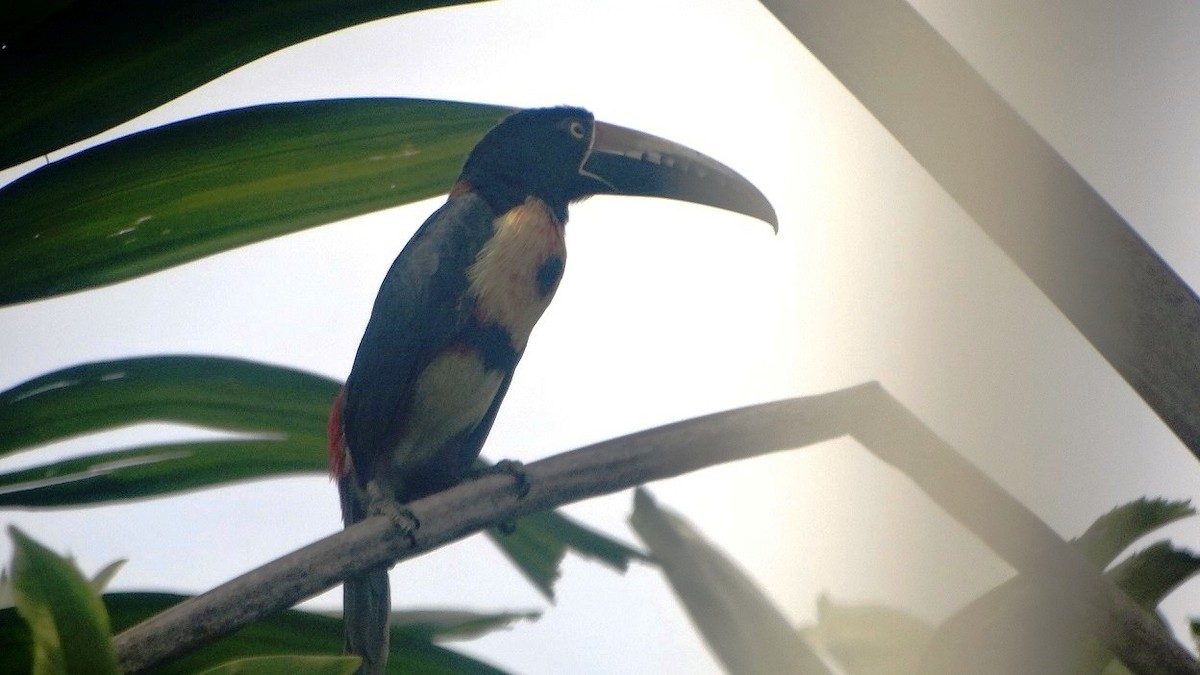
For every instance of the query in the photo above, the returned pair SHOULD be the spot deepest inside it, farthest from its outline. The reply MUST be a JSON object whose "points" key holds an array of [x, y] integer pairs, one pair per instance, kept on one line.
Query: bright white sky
{"points": [[670, 310]]}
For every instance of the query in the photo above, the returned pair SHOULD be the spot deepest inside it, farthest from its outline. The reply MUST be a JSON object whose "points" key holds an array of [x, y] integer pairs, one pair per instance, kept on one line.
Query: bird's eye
{"points": [[576, 129]]}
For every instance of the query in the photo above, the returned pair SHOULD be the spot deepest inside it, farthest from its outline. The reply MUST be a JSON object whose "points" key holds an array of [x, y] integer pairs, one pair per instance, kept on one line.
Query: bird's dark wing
{"points": [[416, 316]]}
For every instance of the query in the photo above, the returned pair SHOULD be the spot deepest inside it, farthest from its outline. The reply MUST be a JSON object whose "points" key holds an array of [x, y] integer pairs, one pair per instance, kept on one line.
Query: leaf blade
{"points": [[93, 64], [223, 393], [536, 545], [157, 470], [739, 623], [173, 194], [292, 631], [870, 639], [68, 623], [1116, 530], [1018, 627], [288, 664]]}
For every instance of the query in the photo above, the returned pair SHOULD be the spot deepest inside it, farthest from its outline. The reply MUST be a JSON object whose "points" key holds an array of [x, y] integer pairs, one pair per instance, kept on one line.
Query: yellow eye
{"points": [[576, 129]]}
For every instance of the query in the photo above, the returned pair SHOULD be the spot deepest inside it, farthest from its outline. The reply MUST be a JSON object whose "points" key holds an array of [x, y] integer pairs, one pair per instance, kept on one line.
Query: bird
{"points": [[455, 312]]}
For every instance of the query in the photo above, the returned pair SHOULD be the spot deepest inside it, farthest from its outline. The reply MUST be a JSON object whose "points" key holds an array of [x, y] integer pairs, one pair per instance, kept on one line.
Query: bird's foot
{"points": [[521, 485], [385, 505], [510, 467]]}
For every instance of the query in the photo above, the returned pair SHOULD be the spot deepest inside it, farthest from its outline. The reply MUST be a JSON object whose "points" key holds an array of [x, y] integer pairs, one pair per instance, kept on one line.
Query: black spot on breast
{"points": [[549, 274], [493, 344]]}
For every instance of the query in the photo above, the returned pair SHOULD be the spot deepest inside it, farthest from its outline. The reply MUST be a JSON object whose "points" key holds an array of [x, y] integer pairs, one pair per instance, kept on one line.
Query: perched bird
{"points": [[455, 312]]}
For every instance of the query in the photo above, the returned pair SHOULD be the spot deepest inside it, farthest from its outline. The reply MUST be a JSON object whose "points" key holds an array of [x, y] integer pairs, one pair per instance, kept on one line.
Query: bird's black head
{"points": [[563, 154], [535, 152]]}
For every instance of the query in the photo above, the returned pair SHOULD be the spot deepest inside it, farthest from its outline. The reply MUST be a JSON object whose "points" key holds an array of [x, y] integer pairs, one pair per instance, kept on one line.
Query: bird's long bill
{"points": [[629, 162]]}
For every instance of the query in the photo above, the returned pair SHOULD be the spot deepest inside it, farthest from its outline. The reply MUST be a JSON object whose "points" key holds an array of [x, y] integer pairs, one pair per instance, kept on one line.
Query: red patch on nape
{"points": [[337, 456], [461, 187], [460, 348]]}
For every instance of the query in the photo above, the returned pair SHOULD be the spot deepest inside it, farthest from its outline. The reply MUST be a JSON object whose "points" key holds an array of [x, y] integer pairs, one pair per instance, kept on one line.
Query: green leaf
{"points": [[288, 665], [538, 543], [1118, 529], [583, 540], [870, 639], [222, 393], [130, 608], [17, 17], [6, 589], [741, 625], [157, 470], [16, 643], [445, 624], [1147, 577], [72, 74], [68, 624], [291, 632], [105, 576], [183, 191], [1020, 627], [534, 551], [1153, 573], [289, 406]]}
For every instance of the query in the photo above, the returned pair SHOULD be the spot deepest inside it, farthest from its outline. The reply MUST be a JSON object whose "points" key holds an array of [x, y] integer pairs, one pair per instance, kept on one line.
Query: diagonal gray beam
{"points": [[1080, 252]]}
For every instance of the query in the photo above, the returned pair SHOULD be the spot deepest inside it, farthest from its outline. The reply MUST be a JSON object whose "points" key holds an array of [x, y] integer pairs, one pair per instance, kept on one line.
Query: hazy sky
{"points": [[670, 310]]}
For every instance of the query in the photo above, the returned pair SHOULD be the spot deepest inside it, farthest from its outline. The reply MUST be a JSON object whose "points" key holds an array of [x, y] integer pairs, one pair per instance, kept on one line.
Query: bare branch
{"points": [[866, 412], [1123, 297]]}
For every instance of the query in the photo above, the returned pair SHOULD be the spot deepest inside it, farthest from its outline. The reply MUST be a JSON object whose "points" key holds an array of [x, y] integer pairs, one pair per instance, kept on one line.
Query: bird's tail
{"points": [[366, 598], [367, 604]]}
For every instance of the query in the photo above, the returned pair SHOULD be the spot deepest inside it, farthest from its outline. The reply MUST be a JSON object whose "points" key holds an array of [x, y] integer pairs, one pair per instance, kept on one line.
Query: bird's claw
{"points": [[402, 519], [515, 469], [521, 485]]}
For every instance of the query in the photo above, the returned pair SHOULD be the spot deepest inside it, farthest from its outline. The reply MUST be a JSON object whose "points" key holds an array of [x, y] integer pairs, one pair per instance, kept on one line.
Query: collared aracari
{"points": [[455, 311]]}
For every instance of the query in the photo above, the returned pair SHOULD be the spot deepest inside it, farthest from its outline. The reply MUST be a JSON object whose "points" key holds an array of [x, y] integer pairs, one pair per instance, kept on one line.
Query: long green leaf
{"points": [[157, 470], [870, 639], [287, 665], [176, 193], [445, 624], [537, 544], [288, 406], [70, 74], [742, 626], [585, 541], [292, 632], [223, 393]]}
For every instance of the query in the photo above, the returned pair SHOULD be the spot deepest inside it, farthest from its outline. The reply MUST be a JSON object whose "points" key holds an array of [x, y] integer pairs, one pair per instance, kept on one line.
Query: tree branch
{"points": [[866, 412], [1124, 298]]}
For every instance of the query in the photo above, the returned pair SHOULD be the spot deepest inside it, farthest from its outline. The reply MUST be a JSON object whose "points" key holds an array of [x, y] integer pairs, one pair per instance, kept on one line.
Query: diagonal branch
{"points": [[866, 412], [1125, 299]]}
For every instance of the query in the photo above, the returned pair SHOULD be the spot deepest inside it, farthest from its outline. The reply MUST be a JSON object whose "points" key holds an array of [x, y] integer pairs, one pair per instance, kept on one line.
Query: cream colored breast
{"points": [[505, 276], [449, 398]]}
